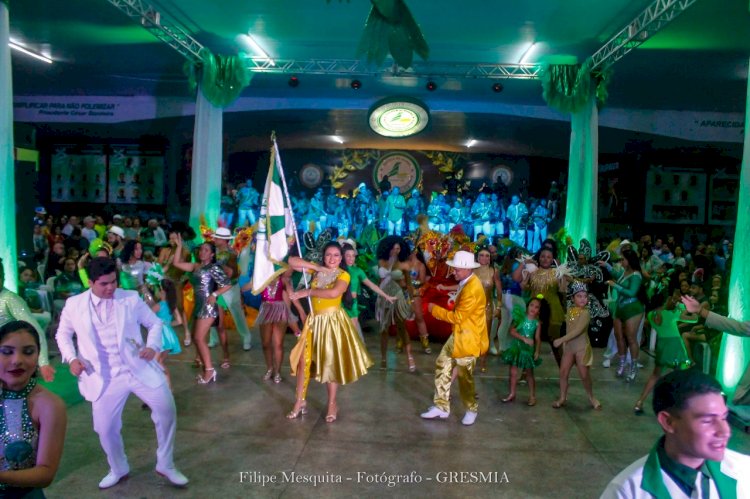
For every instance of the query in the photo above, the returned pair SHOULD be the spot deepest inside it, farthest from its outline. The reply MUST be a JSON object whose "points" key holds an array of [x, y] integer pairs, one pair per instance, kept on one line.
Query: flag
{"points": [[274, 225]]}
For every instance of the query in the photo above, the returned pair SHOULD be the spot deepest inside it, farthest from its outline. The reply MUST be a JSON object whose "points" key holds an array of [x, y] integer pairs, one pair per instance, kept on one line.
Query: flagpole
{"points": [[289, 204]]}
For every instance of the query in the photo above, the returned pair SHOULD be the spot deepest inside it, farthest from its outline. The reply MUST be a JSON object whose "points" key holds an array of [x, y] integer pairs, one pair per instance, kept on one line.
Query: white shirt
{"points": [[103, 322]]}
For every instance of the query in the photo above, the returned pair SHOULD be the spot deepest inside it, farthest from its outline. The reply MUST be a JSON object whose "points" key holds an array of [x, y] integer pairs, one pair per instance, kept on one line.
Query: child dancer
{"points": [[576, 346], [170, 315], [670, 349], [524, 350]]}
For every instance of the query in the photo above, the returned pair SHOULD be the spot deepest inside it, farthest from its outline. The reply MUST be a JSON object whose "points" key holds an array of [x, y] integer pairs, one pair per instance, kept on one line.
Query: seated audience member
{"points": [[29, 290], [691, 459], [67, 284]]}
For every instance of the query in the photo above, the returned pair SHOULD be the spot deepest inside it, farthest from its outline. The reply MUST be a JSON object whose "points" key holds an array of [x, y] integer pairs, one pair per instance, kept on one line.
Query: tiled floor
{"points": [[233, 439]]}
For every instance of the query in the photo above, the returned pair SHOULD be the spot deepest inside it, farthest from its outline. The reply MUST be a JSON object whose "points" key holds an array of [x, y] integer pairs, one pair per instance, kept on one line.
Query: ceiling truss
{"points": [[644, 26]]}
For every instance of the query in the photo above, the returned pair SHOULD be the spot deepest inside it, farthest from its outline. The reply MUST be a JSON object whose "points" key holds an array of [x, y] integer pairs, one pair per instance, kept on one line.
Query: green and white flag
{"points": [[274, 225]]}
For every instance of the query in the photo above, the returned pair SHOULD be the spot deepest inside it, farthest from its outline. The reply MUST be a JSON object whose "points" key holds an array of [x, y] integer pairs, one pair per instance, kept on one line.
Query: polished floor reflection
{"points": [[234, 441]]}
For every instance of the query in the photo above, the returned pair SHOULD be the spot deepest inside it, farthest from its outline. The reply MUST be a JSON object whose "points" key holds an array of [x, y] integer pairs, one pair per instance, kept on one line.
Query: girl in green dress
{"points": [[524, 350], [670, 349]]}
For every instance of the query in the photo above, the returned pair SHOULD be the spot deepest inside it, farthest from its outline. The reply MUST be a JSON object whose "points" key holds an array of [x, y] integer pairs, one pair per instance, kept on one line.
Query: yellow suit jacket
{"points": [[470, 338]]}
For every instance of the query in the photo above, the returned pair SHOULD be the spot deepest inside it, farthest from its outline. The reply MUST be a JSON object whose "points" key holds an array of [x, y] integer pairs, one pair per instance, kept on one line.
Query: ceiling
{"points": [[698, 62]]}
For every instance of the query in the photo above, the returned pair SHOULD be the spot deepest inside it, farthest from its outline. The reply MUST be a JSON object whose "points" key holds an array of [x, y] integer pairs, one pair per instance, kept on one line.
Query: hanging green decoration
{"points": [[566, 87], [390, 28], [222, 77]]}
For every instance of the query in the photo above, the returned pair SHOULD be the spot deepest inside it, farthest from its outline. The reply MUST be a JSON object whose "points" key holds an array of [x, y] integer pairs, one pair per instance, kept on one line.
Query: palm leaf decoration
{"points": [[390, 28]]}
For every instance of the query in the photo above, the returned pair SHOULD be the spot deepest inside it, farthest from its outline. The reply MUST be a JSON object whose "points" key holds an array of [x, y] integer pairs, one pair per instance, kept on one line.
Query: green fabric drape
{"points": [[8, 215], [222, 77], [583, 170], [734, 356], [567, 87]]}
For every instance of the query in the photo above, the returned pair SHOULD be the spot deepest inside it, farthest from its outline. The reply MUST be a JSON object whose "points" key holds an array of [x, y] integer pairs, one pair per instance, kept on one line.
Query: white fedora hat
{"points": [[117, 231], [463, 260], [223, 233]]}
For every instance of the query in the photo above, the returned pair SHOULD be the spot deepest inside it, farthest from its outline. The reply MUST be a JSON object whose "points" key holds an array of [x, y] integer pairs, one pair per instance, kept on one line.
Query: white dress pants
{"points": [[107, 412]]}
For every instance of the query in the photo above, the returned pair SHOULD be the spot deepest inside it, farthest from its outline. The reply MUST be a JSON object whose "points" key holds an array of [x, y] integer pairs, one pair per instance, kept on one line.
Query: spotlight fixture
{"points": [[356, 84], [293, 81], [431, 86], [21, 48], [498, 87]]}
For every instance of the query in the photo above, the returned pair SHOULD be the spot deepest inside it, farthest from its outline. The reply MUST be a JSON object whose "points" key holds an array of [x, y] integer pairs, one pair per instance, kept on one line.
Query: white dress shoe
{"points": [[111, 479], [469, 418], [434, 413], [173, 475]]}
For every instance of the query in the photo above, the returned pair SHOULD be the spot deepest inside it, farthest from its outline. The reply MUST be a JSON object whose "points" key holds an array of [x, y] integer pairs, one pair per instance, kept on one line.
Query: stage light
{"points": [[498, 87], [20, 48], [471, 143], [250, 42], [527, 53], [293, 81], [356, 84], [431, 86]]}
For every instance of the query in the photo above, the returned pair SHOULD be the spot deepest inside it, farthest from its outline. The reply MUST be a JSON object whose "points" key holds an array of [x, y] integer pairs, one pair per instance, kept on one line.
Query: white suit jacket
{"points": [[130, 314]]}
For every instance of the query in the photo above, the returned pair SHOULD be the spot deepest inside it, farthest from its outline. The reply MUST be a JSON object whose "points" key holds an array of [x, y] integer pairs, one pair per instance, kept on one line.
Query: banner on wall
{"points": [[686, 125], [79, 174], [136, 176]]}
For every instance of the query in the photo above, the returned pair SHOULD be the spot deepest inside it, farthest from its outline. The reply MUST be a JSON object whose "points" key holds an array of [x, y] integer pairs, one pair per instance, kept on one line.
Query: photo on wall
{"points": [[79, 174], [136, 176]]}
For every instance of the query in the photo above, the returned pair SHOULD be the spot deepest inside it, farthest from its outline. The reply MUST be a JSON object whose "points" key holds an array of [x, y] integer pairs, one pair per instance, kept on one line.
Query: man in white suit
{"points": [[111, 362]]}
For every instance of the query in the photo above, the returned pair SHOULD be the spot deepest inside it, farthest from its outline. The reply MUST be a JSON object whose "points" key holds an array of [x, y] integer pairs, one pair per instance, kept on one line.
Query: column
{"points": [[7, 165], [583, 169], [205, 187]]}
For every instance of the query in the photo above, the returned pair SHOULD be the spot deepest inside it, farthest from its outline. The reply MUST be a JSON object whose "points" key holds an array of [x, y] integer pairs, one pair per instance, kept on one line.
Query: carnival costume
{"points": [[330, 344], [19, 439], [576, 337], [206, 280], [170, 342], [670, 348], [273, 308], [521, 354], [544, 282]]}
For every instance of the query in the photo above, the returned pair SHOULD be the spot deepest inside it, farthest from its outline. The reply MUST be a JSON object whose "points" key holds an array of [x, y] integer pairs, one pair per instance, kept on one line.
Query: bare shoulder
{"points": [[44, 403]]}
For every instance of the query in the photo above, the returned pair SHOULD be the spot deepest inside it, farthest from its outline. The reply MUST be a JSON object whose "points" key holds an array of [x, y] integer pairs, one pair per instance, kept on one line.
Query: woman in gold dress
{"points": [[490, 279], [544, 282], [329, 348]]}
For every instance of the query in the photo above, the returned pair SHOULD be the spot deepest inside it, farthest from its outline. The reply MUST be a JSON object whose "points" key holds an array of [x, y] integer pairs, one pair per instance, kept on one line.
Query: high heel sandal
{"points": [[211, 377], [268, 375], [509, 398], [277, 378], [595, 404], [225, 364], [412, 365], [638, 408], [531, 402], [559, 403], [299, 412], [331, 416]]}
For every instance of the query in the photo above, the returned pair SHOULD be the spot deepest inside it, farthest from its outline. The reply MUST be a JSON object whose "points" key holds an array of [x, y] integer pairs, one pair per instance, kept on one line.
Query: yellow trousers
{"points": [[444, 373]]}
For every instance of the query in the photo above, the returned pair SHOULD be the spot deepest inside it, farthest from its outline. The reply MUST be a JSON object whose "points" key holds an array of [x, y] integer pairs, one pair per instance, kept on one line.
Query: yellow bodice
{"points": [[327, 281]]}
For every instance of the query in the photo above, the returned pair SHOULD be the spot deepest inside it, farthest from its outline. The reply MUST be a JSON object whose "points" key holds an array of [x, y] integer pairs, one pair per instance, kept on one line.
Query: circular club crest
{"points": [[398, 117], [503, 174], [401, 168], [311, 175]]}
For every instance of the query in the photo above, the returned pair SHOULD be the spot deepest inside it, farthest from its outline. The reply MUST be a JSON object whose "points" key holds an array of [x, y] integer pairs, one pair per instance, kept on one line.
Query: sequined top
{"points": [[206, 280], [19, 438], [325, 280], [12, 307], [131, 275], [274, 292]]}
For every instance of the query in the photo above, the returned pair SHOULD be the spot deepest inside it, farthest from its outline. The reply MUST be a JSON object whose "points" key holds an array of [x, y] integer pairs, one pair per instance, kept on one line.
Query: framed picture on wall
{"points": [[79, 174], [135, 176], [722, 202], [675, 195]]}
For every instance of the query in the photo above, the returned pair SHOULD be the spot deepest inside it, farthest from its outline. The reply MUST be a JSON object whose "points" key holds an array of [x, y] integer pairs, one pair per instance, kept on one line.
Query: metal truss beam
{"points": [[644, 26], [162, 28], [354, 67]]}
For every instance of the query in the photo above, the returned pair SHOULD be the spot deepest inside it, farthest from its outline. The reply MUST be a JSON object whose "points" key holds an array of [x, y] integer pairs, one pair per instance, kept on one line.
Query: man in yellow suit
{"points": [[468, 341]]}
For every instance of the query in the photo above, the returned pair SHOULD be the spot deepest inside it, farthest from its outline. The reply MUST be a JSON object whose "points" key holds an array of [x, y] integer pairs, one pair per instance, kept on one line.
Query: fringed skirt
{"points": [[388, 313], [272, 312], [337, 355]]}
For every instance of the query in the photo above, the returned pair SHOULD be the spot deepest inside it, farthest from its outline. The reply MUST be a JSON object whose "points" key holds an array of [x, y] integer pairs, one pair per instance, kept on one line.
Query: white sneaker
{"points": [[111, 479], [173, 475], [434, 413], [606, 362], [469, 418], [246, 343]]}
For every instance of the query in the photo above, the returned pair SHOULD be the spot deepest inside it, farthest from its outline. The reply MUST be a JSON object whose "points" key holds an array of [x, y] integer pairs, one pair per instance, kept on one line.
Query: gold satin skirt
{"points": [[337, 355]]}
